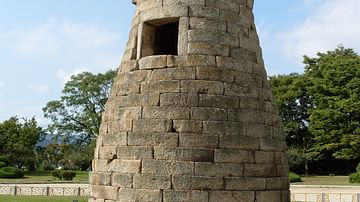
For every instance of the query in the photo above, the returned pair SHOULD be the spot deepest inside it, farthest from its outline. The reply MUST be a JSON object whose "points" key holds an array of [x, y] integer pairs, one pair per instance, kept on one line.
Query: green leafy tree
{"points": [[77, 114], [18, 139], [294, 104], [334, 84]]}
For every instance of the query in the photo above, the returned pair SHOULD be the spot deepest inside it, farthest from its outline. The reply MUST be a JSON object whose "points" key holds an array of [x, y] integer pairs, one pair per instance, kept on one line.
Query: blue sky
{"points": [[44, 42]]}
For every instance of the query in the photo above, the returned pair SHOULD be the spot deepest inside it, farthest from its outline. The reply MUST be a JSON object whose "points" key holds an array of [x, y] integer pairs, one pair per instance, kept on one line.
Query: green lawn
{"points": [[42, 198], [326, 180], [45, 177]]}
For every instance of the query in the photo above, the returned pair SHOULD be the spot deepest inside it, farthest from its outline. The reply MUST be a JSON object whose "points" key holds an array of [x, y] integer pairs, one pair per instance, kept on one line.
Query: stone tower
{"points": [[191, 116]]}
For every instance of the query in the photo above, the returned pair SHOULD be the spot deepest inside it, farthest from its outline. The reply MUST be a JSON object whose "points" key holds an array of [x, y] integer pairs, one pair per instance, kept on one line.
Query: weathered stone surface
{"points": [[187, 126], [176, 73], [224, 128], [108, 152], [204, 12], [153, 62], [146, 195], [153, 139], [122, 180], [183, 182], [113, 139], [239, 142], [202, 87], [206, 24], [232, 63], [168, 112], [232, 196], [134, 152], [151, 99], [152, 125], [161, 86], [206, 48], [278, 183], [151, 181], [185, 2], [242, 91], [191, 116], [221, 37], [218, 169], [100, 178], [246, 116], [194, 140], [214, 74], [259, 170], [264, 196], [233, 155], [179, 99], [188, 196], [184, 154], [209, 113], [105, 192], [164, 12], [191, 61], [245, 183], [167, 167]]}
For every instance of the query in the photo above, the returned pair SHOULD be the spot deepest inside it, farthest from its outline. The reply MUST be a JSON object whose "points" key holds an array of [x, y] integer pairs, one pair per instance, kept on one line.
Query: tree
{"points": [[77, 114], [18, 139], [294, 104], [334, 83]]}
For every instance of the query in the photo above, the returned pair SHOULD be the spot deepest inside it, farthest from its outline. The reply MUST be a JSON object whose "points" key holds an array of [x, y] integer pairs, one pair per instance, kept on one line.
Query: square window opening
{"points": [[160, 37]]}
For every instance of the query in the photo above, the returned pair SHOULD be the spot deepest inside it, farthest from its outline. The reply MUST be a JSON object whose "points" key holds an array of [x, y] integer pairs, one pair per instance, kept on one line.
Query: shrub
{"points": [[11, 172], [57, 174], [358, 168], [2, 164], [48, 166], [63, 174], [354, 177], [293, 177], [4, 159], [69, 175]]}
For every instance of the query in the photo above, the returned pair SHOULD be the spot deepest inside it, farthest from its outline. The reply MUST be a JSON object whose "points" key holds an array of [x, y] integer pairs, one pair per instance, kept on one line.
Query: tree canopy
{"points": [[18, 139], [321, 107], [334, 84], [77, 114]]}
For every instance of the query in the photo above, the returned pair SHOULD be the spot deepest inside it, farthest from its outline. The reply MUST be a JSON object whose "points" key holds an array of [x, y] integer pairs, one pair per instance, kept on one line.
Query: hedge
{"points": [[11, 172], [293, 177]]}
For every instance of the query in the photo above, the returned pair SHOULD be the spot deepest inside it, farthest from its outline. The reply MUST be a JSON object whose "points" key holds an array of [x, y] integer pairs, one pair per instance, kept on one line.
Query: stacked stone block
{"points": [[198, 126]]}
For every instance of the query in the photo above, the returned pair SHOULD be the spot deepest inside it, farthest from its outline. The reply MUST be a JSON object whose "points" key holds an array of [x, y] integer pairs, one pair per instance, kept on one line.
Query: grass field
{"points": [[45, 177], [326, 180], [42, 198]]}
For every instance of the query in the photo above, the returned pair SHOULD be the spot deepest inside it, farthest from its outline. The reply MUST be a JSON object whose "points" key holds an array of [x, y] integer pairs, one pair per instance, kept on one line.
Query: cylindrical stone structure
{"points": [[191, 116]]}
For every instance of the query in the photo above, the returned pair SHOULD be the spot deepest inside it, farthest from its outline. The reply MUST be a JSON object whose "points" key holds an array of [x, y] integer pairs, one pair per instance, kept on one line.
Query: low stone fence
{"points": [[308, 193], [325, 197], [298, 193], [45, 189]]}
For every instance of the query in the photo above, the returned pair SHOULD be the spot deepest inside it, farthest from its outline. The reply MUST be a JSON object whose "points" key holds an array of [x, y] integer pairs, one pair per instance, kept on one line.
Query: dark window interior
{"points": [[166, 39], [160, 37]]}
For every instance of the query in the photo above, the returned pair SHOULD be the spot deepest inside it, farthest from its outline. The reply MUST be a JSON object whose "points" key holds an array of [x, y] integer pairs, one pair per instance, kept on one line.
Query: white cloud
{"points": [[84, 36], [38, 40], [333, 22], [65, 76], [56, 36], [39, 88]]}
